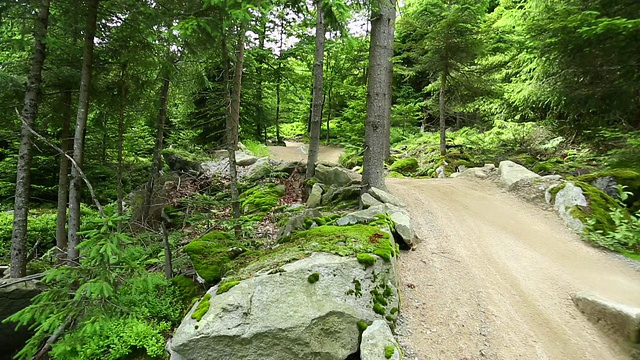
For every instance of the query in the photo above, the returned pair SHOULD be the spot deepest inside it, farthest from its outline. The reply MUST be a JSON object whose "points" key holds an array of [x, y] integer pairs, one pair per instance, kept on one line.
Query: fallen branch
{"points": [[73, 162], [23, 279], [53, 338]]}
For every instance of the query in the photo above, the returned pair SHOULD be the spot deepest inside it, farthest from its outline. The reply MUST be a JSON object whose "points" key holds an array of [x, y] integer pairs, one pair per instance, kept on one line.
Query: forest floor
{"points": [[493, 276]]}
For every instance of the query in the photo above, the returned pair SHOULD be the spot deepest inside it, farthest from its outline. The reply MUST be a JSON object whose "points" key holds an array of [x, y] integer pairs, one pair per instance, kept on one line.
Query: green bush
{"points": [[623, 236], [405, 166], [258, 149]]}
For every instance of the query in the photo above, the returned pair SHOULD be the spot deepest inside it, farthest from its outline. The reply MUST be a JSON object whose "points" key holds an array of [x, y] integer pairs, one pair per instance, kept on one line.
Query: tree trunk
{"points": [[379, 92], [156, 165], [81, 125], [443, 125], [234, 120], [318, 77], [260, 80], [25, 153], [63, 175], [123, 94], [330, 90], [278, 82]]}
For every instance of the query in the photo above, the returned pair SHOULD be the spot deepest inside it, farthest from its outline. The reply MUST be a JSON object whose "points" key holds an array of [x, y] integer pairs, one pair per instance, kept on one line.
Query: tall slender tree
{"points": [[25, 154], [383, 15], [81, 127], [318, 77]]}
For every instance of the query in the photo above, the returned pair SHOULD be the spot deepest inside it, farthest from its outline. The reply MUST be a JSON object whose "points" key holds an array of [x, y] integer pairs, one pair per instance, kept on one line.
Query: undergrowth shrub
{"points": [[111, 305], [257, 148]]}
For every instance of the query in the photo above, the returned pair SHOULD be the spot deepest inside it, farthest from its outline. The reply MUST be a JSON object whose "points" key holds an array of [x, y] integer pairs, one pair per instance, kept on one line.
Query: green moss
{"points": [[379, 309], [389, 351], [395, 175], [313, 278], [202, 308], [362, 326], [366, 259], [599, 208], [357, 287], [388, 292], [394, 310], [405, 166], [625, 177], [186, 288], [556, 189], [210, 258], [216, 236], [390, 318], [631, 255], [380, 300], [226, 286], [261, 198]]}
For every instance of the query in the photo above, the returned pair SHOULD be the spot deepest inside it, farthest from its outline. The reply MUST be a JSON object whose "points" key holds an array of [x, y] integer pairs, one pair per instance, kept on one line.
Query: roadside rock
{"points": [[377, 339], [566, 199], [283, 316], [619, 321], [180, 164], [315, 197], [477, 172], [335, 193], [296, 223], [369, 201], [261, 169], [534, 189], [243, 159], [385, 197], [402, 222], [362, 216], [511, 173], [335, 175]]}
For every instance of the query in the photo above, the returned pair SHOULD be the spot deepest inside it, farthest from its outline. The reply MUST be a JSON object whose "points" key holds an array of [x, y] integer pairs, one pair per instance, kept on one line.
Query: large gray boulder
{"points": [[261, 169], [315, 197], [335, 175], [335, 193], [402, 222], [385, 197], [511, 173], [566, 199], [284, 316], [619, 321], [377, 340], [13, 298]]}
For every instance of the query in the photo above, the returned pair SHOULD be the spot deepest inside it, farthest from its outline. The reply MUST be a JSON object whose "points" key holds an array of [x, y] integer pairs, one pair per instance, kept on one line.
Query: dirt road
{"points": [[295, 151], [493, 276]]}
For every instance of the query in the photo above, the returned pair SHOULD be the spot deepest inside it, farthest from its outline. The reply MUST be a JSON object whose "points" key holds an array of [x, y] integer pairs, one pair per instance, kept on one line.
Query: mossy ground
{"points": [[187, 289], [261, 198], [625, 177], [226, 286], [599, 209], [405, 166]]}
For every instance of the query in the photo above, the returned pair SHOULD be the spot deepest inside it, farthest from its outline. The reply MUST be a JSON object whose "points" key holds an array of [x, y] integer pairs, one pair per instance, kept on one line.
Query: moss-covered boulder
{"points": [[211, 255], [625, 177], [405, 166], [309, 309], [261, 198]]}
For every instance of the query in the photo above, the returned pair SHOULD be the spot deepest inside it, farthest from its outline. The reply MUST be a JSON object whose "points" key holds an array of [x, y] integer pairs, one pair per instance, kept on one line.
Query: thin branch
{"points": [[73, 162]]}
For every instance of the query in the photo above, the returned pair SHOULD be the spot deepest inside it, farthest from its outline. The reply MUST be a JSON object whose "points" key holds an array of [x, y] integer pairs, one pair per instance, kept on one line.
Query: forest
{"points": [[98, 98]]}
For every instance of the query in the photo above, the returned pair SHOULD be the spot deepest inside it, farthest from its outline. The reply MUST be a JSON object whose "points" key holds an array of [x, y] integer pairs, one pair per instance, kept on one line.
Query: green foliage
{"points": [[624, 236], [362, 326], [211, 253], [379, 309], [313, 278], [256, 148], [351, 157], [109, 290]]}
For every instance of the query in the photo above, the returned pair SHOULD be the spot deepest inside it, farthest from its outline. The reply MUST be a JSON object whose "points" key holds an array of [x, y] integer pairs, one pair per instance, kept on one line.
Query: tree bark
{"points": [[234, 120], [25, 153], [318, 77], [63, 175], [123, 94], [260, 80], [443, 124], [156, 165], [81, 126], [379, 92]]}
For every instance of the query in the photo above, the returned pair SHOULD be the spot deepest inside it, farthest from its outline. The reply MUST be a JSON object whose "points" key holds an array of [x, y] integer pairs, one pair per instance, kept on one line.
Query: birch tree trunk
{"points": [[316, 109], [81, 126], [25, 153], [379, 92]]}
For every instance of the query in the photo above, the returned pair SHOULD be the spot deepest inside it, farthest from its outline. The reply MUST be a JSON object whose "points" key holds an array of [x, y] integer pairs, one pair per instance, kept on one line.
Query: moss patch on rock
{"points": [[389, 351], [202, 308], [226, 286], [187, 289], [211, 254], [261, 198], [625, 177], [362, 326], [599, 209], [313, 278], [405, 166], [366, 259]]}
